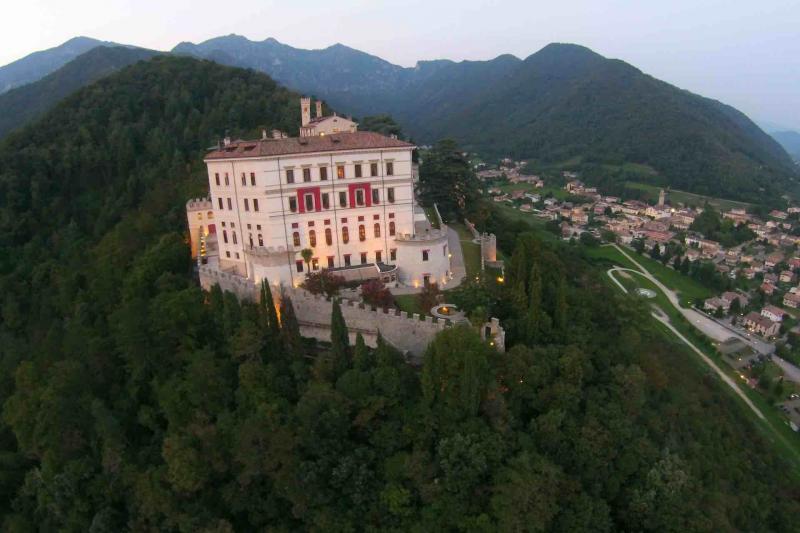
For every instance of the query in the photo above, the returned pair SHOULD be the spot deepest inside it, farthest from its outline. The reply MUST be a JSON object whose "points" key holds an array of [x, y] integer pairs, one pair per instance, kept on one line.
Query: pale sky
{"points": [[743, 52]]}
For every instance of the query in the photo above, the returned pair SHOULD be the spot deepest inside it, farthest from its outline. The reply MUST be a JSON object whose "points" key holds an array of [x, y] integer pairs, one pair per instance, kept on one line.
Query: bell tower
{"points": [[305, 110]]}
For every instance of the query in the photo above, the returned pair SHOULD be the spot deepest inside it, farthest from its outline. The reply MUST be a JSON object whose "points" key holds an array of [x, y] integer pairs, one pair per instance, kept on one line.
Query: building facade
{"points": [[346, 197]]}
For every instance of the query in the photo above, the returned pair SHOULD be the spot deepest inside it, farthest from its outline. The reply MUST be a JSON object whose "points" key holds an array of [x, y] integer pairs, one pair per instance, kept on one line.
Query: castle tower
{"points": [[305, 110], [319, 108], [662, 196]]}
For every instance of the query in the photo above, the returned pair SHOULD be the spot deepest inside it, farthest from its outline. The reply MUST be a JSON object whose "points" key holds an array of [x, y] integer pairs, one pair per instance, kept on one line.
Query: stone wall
{"points": [[410, 334]]}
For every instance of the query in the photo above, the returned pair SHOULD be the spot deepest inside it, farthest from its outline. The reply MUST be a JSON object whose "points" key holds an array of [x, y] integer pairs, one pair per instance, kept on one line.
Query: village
{"points": [[748, 262]]}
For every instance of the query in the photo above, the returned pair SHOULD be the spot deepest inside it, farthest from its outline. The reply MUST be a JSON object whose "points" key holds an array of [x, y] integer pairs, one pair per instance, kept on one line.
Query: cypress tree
{"points": [[290, 329], [271, 314], [340, 342], [362, 357]]}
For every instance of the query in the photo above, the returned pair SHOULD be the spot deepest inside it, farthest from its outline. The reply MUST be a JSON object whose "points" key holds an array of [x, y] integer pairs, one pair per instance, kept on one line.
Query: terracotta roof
{"points": [[335, 142]]}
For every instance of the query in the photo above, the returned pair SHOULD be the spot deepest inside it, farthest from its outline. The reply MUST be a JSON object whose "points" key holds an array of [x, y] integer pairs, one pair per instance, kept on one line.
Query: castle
{"points": [[345, 195]]}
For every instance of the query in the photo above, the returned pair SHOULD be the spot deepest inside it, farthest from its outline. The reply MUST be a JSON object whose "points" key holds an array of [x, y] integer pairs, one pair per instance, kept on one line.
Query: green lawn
{"points": [[686, 197], [408, 303], [689, 291]]}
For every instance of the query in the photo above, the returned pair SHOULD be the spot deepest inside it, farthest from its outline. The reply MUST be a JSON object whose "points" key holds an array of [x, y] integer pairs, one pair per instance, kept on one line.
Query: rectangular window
{"points": [[299, 265], [389, 168], [358, 170], [219, 201], [290, 175], [308, 200], [373, 169], [326, 202], [375, 196], [347, 260], [255, 204], [306, 174], [253, 179], [293, 205], [260, 240], [323, 173], [216, 178], [314, 264], [233, 236], [378, 256], [244, 180], [330, 261], [360, 197], [246, 204], [228, 255], [342, 199], [230, 204], [390, 194], [340, 171], [425, 255], [225, 236], [393, 254], [363, 258], [227, 181]]}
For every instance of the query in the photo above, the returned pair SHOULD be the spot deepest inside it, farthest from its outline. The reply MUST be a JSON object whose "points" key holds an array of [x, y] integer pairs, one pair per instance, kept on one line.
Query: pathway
{"points": [[700, 321]]}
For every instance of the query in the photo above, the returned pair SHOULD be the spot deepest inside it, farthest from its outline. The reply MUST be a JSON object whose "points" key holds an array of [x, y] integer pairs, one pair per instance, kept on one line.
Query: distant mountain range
{"points": [[23, 104], [37, 65], [563, 105], [790, 140]]}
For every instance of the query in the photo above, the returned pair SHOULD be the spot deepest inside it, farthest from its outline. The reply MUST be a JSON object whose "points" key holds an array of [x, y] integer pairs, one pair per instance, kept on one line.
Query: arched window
{"points": [[345, 235], [328, 236], [377, 229], [362, 232], [296, 238], [312, 238], [391, 228]]}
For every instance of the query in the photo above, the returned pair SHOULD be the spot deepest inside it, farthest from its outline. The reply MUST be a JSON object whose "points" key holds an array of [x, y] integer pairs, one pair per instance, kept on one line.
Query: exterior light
{"points": [[500, 279]]}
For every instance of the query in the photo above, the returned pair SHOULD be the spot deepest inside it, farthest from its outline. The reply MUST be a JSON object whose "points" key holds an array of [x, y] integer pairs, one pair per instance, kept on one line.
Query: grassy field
{"points": [[686, 197], [689, 291]]}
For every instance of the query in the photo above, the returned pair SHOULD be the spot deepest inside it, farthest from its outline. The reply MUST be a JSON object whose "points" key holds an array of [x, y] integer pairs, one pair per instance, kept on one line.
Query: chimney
{"points": [[319, 108], [305, 111]]}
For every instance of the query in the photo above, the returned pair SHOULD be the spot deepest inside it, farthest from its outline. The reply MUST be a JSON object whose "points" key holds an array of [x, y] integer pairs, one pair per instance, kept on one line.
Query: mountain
{"points": [[23, 104], [134, 401], [790, 140], [39, 64], [562, 103]]}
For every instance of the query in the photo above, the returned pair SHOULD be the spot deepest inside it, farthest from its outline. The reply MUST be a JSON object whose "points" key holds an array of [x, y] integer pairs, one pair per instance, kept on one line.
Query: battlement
{"points": [[261, 251], [198, 204], [410, 333]]}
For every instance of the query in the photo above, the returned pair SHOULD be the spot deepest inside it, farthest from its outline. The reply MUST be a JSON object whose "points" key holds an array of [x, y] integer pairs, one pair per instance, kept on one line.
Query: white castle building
{"points": [[346, 195]]}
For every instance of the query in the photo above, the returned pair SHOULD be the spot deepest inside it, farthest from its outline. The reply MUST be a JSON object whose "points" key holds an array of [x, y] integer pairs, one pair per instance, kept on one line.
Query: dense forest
{"points": [[132, 400]]}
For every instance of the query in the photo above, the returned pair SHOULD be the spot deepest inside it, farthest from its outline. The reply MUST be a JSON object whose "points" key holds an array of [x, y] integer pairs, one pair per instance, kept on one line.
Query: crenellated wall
{"points": [[408, 333]]}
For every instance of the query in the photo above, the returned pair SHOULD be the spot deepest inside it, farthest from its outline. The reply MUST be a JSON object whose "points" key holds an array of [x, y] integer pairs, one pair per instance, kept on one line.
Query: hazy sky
{"points": [[743, 52]]}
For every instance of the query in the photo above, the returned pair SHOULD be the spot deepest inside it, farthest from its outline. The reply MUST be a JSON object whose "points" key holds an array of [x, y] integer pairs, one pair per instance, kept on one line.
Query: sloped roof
{"points": [[335, 142]]}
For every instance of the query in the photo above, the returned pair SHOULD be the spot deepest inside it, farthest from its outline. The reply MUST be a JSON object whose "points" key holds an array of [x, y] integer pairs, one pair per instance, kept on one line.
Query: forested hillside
{"points": [[131, 400], [21, 105]]}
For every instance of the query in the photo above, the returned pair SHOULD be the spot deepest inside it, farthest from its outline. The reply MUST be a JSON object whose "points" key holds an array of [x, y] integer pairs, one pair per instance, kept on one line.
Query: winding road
{"points": [[700, 321]]}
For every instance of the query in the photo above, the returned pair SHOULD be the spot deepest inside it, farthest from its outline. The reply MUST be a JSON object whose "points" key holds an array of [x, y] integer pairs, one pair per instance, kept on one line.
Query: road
{"points": [[706, 325], [723, 376]]}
